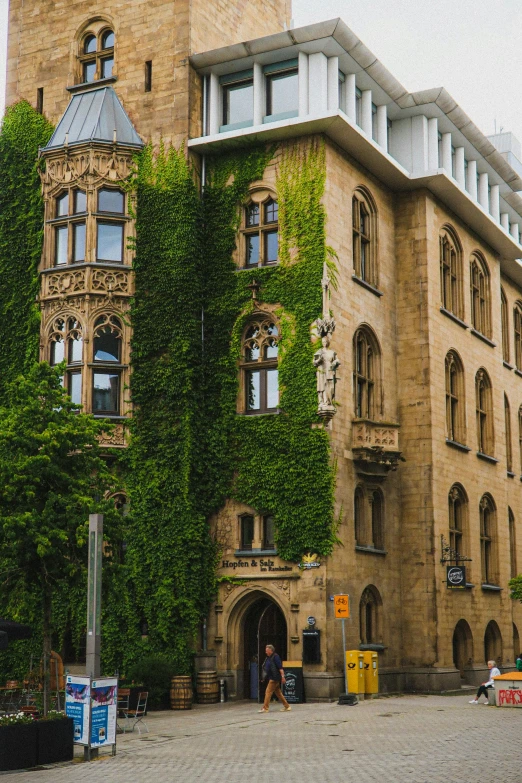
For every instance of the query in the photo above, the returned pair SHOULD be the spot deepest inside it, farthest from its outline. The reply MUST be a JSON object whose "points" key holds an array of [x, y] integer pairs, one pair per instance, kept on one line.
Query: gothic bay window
{"points": [[110, 230], [485, 439], [106, 352], [450, 273], [487, 512], [364, 229], [261, 234], [70, 227], [96, 59], [479, 282], [66, 344], [260, 373], [455, 416]]}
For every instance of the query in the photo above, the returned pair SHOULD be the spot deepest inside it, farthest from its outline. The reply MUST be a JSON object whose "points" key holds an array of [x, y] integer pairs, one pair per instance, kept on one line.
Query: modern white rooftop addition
{"points": [[406, 139]]}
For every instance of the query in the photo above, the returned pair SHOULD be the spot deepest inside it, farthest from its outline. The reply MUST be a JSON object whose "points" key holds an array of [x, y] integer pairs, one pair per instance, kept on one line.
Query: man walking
{"points": [[273, 671]]}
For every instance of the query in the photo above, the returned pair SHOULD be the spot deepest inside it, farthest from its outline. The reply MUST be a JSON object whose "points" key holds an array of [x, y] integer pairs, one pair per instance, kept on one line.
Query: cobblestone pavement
{"points": [[418, 739]]}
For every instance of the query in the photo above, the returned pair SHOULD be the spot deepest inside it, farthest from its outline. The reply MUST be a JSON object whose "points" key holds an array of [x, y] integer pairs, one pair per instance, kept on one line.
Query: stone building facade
{"points": [[423, 213]]}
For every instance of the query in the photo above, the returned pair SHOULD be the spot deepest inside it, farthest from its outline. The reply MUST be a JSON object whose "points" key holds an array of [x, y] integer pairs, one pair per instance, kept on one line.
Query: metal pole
{"points": [[344, 660], [92, 662]]}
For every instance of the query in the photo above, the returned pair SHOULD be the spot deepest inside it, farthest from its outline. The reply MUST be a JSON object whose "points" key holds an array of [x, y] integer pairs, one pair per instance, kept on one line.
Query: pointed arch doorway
{"points": [[264, 623]]}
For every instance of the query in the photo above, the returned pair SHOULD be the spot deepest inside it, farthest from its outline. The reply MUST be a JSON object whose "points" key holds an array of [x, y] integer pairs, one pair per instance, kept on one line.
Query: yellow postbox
{"points": [[371, 672], [355, 671]]}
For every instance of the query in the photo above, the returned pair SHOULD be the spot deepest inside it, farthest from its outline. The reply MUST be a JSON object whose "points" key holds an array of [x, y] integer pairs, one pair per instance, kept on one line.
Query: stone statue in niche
{"points": [[326, 362]]}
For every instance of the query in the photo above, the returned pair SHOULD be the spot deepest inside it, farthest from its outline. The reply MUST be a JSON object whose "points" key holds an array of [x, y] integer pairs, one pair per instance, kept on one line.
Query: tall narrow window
{"points": [[512, 544], [366, 361], [517, 329], [110, 230], [509, 448], [39, 100], [479, 283], [70, 227], [457, 506], [377, 516], [259, 366], [485, 433], [106, 376], [455, 413], [520, 437], [268, 532], [247, 531], [358, 107], [96, 58], [505, 325], [488, 540], [359, 517], [369, 616], [364, 229], [66, 344], [450, 273], [148, 76]]}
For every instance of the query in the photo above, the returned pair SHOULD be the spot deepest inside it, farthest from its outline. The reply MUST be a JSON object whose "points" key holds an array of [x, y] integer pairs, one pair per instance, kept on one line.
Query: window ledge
{"points": [[286, 115], [483, 338], [255, 552], [508, 365], [111, 416], [491, 588], [454, 317], [81, 264], [469, 586], [370, 550], [236, 126], [252, 415], [372, 647], [518, 372], [253, 268], [107, 365], [455, 444], [368, 286], [92, 85], [65, 219], [510, 474], [487, 457]]}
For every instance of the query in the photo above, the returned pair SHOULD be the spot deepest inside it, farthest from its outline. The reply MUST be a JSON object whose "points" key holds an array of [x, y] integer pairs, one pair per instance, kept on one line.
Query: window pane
{"points": [[89, 71], [62, 205], [74, 382], [271, 350], [252, 216], [271, 212], [79, 242], [110, 201], [252, 351], [61, 245], [80, 201], [269, 533], [253, 390], [252, 249], [90, 44], [106, 67], [105, 395], [108, 40], [110, 241], [247, 532], [75, 350], [271, 246], [239, 103], [272, 389], [283, 93], [107, 346], [57, 352]]}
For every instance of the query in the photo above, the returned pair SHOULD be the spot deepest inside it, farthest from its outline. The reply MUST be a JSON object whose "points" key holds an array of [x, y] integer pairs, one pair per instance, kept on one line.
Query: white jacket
{"points": [[494, 672]]}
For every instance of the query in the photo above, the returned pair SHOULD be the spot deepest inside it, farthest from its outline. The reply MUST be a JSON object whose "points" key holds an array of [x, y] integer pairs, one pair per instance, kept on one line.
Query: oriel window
{"points": [[106, 352], [69, 226]]}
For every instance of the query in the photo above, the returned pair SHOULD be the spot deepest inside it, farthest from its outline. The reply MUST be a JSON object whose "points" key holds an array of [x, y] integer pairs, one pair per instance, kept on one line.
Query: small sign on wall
{"points": [[455, 577]]}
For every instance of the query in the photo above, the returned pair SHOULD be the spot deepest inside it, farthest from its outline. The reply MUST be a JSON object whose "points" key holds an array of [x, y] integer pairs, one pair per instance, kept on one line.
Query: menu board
{"points": [[293, 689]]}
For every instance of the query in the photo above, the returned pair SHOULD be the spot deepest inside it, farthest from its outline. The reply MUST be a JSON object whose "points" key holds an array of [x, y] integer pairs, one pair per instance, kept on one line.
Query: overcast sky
{"points": [[471, 47]]}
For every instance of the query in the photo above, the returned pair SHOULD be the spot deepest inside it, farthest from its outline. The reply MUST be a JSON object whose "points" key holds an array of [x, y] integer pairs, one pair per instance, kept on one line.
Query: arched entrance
{"points": [[264, 623], [462, 646], [493, 643]]}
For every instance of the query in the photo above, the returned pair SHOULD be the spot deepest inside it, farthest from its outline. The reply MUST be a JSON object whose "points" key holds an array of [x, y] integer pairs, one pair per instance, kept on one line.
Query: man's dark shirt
{"points": [[271, 667]]}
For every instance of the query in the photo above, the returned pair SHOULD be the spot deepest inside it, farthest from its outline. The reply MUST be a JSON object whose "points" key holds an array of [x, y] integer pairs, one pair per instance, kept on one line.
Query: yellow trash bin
{"points": [[371, 672], [355, 671]]}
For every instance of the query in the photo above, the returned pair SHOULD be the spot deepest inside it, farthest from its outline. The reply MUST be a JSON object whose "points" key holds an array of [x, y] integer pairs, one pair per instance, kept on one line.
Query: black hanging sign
{"points": [[455, 577]]}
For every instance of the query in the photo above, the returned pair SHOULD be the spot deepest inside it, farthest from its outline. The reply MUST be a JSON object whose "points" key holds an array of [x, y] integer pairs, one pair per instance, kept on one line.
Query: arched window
{"points": [[359, 516], [66, 344], [370, 608], [260, 231], [507, 421], [96, 58], [516, 642], [366, 366], [364, 233], [493, 643], [488, 540], [512, 544], [505, 325], [457, 513], [451, 272], [485, 433], [107, 348], [517, 330], [480, 297], [520, 436], [455, 399], [259, 366], [377, 516]]}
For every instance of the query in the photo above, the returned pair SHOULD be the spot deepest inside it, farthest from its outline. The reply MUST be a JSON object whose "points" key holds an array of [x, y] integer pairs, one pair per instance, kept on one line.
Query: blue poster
{"points": [[104, 699], [77, 704]]}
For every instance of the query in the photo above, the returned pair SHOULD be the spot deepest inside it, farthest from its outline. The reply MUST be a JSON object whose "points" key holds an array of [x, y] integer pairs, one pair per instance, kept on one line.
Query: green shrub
{"points": [[155, 673]]}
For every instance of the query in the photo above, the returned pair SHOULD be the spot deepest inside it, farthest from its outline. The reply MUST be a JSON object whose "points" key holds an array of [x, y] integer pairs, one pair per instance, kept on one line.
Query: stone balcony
{"points": [[375, 448]]}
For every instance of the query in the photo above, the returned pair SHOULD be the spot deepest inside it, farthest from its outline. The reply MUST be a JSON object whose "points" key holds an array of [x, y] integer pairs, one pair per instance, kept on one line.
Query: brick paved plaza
{"points": [[419, 739]]}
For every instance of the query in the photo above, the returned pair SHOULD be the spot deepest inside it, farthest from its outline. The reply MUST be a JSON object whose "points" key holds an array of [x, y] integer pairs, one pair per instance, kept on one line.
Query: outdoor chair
{"points": [[123, 707], [135, 717]]}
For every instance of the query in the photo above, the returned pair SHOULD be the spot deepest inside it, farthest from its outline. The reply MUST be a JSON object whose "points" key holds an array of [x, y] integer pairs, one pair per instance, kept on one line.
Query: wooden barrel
{"points": [[181, 693], [207, 687]]}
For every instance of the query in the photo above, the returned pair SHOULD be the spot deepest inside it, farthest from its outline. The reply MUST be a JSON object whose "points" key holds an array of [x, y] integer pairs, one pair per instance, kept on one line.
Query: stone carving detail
{"points": [[65, 282], [228, 589], [50, 308], [108, 281], [375, 448], [325, 359], [86, 168], [114, 438], [368, 434], [284, 586]]}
